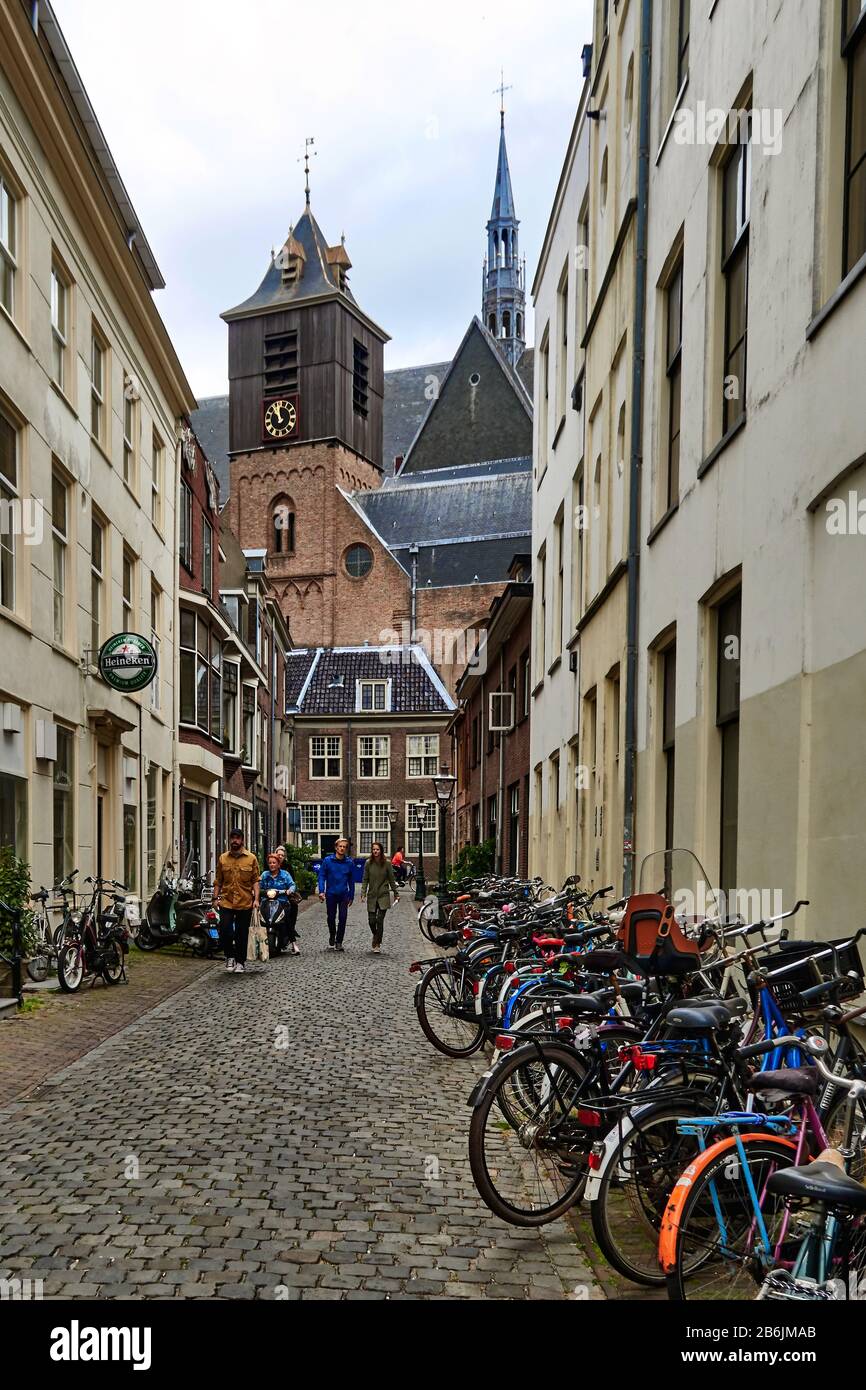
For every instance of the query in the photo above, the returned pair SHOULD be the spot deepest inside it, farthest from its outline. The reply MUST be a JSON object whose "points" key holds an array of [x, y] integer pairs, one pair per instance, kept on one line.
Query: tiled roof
{"points": [[317, 274], [211, 425], [298, 665], [415, 688]]}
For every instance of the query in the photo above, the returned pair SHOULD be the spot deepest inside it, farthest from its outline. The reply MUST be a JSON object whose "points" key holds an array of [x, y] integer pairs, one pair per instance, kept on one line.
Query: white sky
{"points": [[206, 105]]}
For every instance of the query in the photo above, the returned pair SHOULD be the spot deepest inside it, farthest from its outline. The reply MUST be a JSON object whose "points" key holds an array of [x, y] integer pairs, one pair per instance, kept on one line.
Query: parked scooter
{"points": [[178, 913], [279, 916]]}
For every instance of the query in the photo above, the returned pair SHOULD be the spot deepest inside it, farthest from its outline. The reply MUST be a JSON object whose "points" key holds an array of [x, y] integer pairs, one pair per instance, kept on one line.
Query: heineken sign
{"points": [[127, 662]]}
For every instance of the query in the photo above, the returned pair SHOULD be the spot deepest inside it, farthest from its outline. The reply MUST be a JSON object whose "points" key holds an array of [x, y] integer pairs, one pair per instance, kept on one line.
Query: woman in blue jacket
{"points": [[280, 880], [337, 891]]}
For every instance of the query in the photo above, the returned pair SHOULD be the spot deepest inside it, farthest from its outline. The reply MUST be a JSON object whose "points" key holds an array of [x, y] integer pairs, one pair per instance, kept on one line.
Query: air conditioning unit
{"points": [[11, 718], [46, 740], [501, 711], [572, 661]]}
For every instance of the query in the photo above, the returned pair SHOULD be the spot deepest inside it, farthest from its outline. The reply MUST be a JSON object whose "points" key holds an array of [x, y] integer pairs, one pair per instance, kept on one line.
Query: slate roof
{"points": [[526, 370], [441, 566], [317, 279], [503, 209], [415, 688], [405, 406], [211, 425], [450, 509]]}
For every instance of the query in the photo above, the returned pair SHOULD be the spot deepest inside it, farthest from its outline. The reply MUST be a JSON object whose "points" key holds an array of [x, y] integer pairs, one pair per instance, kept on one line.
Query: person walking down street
{"points": [[337, 891], [398, 864], [236, 893], [379, 887], [278, 879]]}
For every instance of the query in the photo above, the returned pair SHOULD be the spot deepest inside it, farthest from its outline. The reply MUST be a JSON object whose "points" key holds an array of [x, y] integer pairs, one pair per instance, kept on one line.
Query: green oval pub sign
{"points": [[127, 662]]}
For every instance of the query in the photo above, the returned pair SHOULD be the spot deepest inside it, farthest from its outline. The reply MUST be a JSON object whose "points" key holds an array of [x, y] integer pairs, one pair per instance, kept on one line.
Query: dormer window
{"points": [[373, 697]]}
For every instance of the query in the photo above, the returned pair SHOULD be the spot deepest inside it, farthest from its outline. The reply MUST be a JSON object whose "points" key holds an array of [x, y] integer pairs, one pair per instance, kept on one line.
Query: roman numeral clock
{"points": [[279, 418]]}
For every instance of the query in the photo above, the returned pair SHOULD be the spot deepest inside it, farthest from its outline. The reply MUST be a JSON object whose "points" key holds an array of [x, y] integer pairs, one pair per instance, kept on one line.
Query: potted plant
{"points": [[15, 893]]}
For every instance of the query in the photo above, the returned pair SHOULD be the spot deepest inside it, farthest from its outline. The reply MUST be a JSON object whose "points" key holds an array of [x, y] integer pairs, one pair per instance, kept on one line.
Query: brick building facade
{"points": [[369, 735], [493, 765]]}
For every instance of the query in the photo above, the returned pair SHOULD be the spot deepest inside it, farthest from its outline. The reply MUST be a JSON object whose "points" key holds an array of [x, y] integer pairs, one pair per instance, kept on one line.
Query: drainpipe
{"points": [[413, 551], [636, 452], [500, 810]]}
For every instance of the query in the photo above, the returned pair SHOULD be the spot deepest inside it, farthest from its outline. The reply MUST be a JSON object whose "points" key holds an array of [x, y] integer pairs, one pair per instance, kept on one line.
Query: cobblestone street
{"points": [[285, 1134]]}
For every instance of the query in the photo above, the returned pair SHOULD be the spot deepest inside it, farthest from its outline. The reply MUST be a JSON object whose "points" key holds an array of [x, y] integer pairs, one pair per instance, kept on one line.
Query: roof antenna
{"points": [[310, 140]]}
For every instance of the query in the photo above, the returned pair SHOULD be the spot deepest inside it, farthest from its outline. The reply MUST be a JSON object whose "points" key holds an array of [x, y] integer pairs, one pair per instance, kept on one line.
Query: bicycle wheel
{"points": [[70, 965], [39, 961], [711, 1245], [438, 997], [530, 1167], [112, 968], [636, 1182]]}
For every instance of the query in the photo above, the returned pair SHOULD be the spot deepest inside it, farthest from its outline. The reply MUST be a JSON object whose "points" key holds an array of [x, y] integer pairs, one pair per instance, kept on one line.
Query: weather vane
{"points": [[310, 140], [501, 90]]}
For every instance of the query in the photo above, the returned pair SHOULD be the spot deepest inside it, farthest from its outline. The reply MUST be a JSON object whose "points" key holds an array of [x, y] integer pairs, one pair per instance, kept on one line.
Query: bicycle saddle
{"points": [[700, 1018], [820, 1181], [789, 1081]]}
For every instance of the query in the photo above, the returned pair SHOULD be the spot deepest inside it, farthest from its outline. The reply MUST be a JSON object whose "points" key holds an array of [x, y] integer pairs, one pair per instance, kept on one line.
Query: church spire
{"points": [[504, 285]]}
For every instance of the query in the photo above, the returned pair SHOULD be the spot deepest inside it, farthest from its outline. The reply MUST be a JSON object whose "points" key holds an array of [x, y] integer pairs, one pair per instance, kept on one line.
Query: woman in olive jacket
{"points": [[378, 886]]}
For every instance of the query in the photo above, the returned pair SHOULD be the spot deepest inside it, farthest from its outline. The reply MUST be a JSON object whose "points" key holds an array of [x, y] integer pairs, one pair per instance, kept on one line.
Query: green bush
{"points": [[15, 892], [299, 862], [474, 860]]}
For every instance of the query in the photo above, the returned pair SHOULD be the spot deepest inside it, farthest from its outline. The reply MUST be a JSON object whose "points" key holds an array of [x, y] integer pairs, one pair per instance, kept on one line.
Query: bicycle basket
{"points": [[788, 988]]}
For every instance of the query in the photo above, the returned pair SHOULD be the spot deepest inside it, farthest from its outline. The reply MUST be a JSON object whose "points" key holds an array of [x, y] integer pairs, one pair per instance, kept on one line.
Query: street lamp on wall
{"points": [[443, 784]]}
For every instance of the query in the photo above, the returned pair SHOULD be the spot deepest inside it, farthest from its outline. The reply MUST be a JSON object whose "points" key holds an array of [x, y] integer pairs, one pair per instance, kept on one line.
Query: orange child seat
{"points": [[650, 932]]}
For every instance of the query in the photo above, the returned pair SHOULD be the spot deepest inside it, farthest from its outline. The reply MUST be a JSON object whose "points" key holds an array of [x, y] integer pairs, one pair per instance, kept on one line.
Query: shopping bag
{"points": [[257, 945]]}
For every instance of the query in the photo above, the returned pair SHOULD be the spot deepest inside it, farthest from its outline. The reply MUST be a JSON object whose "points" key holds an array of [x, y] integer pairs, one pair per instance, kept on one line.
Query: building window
{"points": [[97, 582], [578, 552], [206, 557], [422, 755], [152, 835], [668, 729], [562, 363], [8, 505], [491, 818], [728, 626], [155, 629], [321, 823], [544, 403], [513, 827], [97, 387], [13, 814], [8, 246], [128, 599], [230, 706], [372, 696], [360, 374], [64, 804], [358, 561], [130, 846], [185, 543], [59, 325], [284, 529], [249, 717], [559, 594], [673, 369], [542, 615], [157, 467], [476, 741], [735, 270], [216, 682], [854, 214], [60, 544], [683, 26], [373, 824], [187, 667], [476, 824], [527, 683], [374, 756], [129, 421], [414, 832], [326, 755], [281, 363]]}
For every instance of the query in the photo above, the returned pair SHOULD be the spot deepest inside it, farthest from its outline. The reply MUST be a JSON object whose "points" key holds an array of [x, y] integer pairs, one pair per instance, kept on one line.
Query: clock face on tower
{"points": [[280, 418]]}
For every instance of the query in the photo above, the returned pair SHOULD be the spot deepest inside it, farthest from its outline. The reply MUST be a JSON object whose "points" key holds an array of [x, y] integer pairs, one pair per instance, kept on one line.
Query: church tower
{"points": [[504, 279], [306, 382]]}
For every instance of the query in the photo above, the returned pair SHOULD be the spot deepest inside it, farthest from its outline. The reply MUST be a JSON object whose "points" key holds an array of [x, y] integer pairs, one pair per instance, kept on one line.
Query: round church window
{"points": [[359, 561]]}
